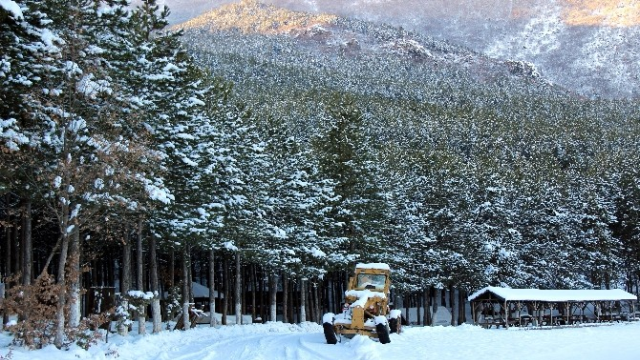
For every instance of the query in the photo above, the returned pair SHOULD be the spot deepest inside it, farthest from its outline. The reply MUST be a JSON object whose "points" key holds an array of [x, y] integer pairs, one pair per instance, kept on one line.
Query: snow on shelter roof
{"points": [[200, 291], [554, 295]]}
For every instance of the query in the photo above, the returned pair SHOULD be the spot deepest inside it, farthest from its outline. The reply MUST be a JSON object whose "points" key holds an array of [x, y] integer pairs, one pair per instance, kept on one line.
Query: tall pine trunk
{"points": [[303, 300], [142, 320], [428, 321], [185, 289], [212, 293], [256, 287], [285, 298], [58, 340], [227, 293], [125, 284], [172, 268], [273, 296], [74, 279], [406, 302], [419, 319], [316, 309], [156, 312], [2, 312], [27, 244], [8, 248], [462, 299], [238, 292], [452, 304]]}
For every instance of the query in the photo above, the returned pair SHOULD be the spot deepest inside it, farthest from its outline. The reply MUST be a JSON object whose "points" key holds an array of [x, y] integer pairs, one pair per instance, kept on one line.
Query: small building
{"points": [[521, 307], [201, 297]]}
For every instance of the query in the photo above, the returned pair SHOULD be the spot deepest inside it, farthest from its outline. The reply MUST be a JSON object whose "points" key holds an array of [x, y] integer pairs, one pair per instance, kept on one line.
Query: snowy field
{"points": [[278, 341]]}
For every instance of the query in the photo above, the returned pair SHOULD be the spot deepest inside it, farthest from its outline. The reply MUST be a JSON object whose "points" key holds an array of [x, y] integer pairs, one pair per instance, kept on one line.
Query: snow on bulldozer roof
{"points": [[377, 266]]}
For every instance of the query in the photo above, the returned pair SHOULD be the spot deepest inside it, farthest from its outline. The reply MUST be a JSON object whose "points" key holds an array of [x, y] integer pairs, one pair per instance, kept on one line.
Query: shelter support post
{"points": [[506, 314]]}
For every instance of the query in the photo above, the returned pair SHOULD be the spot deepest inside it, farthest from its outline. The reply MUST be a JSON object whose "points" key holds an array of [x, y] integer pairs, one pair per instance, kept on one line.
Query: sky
{"points": [[278, 341]]}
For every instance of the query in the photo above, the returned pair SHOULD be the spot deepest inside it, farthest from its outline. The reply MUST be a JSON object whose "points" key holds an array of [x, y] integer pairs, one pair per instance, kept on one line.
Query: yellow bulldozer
{"points": [[366, 308]]}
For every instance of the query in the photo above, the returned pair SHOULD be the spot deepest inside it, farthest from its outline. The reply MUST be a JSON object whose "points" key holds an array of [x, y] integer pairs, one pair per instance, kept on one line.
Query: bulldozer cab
{"points": [[370, 278], [371, 281]]}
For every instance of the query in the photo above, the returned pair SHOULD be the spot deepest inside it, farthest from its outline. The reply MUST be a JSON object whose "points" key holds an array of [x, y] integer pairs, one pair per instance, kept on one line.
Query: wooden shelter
{"points": [[520, 307]]}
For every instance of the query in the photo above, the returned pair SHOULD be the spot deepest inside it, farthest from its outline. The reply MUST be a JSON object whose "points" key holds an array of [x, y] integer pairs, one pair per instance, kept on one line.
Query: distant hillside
{"points": [[271, 34], [588, 46], [400, 78]]}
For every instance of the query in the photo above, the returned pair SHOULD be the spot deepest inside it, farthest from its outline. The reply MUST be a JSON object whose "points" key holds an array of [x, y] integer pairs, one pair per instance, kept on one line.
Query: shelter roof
{"points": [[507, 294]]}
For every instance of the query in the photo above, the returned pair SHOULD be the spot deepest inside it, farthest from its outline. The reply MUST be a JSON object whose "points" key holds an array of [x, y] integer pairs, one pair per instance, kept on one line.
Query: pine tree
{"points": [[73, 126], [357, 214]]}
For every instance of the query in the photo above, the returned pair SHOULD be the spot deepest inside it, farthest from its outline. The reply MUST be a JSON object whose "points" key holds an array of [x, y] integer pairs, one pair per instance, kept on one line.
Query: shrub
{"points": [[35, 307]]}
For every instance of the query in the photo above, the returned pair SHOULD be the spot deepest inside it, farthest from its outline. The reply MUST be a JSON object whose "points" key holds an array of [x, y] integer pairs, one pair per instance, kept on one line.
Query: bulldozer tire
{"points": [[383, 333], [395, 325], [329, 334]]}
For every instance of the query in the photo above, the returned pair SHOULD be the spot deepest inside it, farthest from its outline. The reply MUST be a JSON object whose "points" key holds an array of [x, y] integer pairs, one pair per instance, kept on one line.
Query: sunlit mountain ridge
{"points": [[253, 16], [614, 13]]}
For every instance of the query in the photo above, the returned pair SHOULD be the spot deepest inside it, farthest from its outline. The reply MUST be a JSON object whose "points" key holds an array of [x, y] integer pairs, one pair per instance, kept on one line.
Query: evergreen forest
{"points": [[263, 153]]}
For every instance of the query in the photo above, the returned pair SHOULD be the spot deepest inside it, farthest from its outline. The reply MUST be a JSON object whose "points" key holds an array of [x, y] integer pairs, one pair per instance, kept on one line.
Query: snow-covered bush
{"points": [[139, 300], [174, 301]]}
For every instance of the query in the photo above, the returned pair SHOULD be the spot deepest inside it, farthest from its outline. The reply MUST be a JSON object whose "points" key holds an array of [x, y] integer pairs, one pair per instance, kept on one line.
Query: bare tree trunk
{"points": [[186, 296], [285, 298], [238, 289], [74, 279], [142, 318], [156, 312], [212, 293], [125, 284], [273, 297], [303, 300], [27, 244]]}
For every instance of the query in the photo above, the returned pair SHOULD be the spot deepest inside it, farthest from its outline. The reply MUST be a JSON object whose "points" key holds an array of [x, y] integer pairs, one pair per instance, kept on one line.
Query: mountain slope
{"points": [[588, 46], [402, 80], [278, 36]]}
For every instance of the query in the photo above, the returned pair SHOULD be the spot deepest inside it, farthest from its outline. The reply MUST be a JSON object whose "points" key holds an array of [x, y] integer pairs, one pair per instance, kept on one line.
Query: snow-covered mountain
{"points": [[588, 46]]}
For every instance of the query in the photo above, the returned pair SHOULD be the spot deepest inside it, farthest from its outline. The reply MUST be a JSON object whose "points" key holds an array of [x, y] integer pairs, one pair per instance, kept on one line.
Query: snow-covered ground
{"points": [[275, 341]]}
